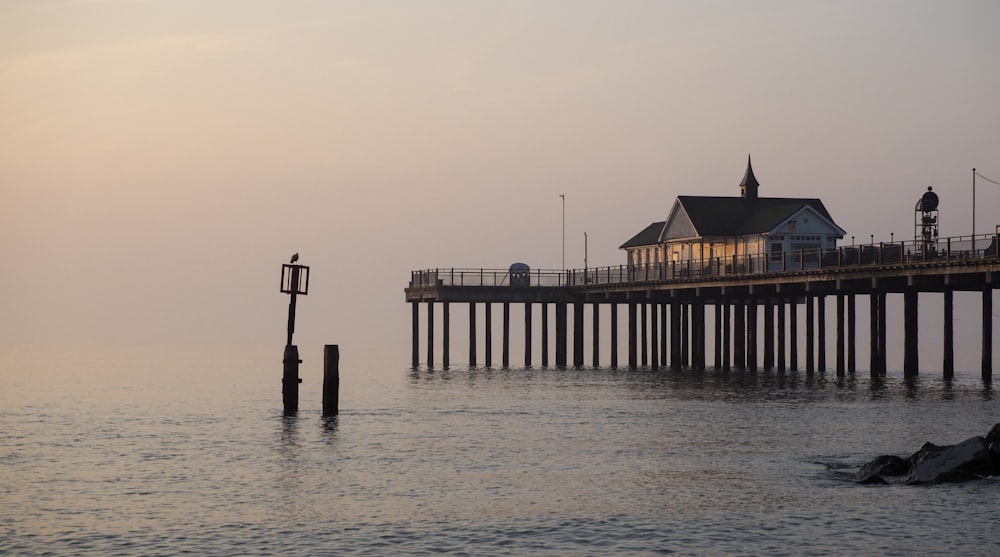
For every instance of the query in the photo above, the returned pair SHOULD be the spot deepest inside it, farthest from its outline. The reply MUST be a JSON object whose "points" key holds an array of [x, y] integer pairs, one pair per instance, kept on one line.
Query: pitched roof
{"points": [[731, 216], [649, 235]]}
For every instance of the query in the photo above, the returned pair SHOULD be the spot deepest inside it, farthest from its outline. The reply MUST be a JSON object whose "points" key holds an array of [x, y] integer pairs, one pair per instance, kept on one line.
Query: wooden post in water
{"points": [[545, 334], [949, 333], [578, 334], [614, 335], [810, 335], [780, 306], [685, 334], [488, 341], [727, 341], [821, 332], [882, 353], [654, 336], [643, 336], [664, 342], [596, 334], [987, 332], [768, 333], [740, 335], [527, 334], [873, 338], [911, 366], [446, 348], [430, 335], [675, 334], [561, 333], [840, 335], [717, 340], [633, 360], [793, 335], [851, 334], [294, 281], [331, 380], [752, 334], [472, 334], [416, 333], [506, 335]]}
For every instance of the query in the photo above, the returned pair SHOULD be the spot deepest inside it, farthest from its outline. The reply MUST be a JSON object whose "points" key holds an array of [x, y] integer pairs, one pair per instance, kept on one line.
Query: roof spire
{"points": [[749, 185]]}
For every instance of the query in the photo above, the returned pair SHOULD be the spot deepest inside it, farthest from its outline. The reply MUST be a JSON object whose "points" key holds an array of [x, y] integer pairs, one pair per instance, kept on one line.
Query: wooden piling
{"points": [[685, 334], [527, 334], [596, 336], [633, 360], [290, 379], [810, 335], [841, 360], [430, 334], [488, 341], [545, 335], [664, 338], [752, 335], [793, 335], [331, 380], [873, 338], [614, 335], [987, 332], [740, 336], [578, 334], [768, 333], [472, 334], [851, 333], [643, 337], [505, 356], [446, 335], [821, 332], [911, 366], [726, 335], [780, 307], [948, 367], [415, 329], [717, 339], [654, 336], [561, 333]]}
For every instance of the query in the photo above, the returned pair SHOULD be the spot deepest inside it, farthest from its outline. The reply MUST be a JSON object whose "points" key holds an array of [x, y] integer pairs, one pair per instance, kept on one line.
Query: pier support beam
{"points": [[717, 339], [527, 334], [752, 335], [768, 334], [577, 334], [430, 335], [561, 333], [614, 335], [664, 351], [415, 328], [489, 334], [987, 331], [810, 335], [840, 336], [505, 354], [740, 335], [949, 333], [644, 337], [633, 360], [698, 334], [685, 334], [446, 332], [545, 335], [821, 332], [851, 334], [882, 353], [793, 335], [596, 336], [675, 334], [472, 334], [911, 366], [873, 338], [654, 336], [780, 306], [727, 341]]}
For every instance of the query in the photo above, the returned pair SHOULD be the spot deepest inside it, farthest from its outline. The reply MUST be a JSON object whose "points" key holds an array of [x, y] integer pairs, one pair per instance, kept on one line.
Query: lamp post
{"points": [[973, 211], [584, 257], [563, 197]]}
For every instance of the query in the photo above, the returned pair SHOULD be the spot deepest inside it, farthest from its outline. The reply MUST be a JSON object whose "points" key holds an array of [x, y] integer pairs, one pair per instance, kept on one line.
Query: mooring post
{"points": [[331, 380], [294, 281]]}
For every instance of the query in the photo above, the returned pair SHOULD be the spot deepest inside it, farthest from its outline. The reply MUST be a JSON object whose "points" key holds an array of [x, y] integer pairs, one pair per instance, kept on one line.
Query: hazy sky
{"points": [[160, 159]]}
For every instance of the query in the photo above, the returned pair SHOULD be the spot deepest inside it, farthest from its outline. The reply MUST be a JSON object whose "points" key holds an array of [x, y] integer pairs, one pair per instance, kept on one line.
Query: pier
{"points": [[757, 300]]}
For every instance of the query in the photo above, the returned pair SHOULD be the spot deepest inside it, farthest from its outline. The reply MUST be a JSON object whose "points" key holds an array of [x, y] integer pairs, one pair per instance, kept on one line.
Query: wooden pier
{"points": [[667, 304]]}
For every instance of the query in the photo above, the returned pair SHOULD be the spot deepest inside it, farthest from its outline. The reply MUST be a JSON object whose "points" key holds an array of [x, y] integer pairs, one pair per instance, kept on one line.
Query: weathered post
{"points": [[331, 380], [294, 281]]}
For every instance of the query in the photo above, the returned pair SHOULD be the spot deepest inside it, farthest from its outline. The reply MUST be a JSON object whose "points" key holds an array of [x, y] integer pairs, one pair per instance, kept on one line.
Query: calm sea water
{"points": [[161, 452]]}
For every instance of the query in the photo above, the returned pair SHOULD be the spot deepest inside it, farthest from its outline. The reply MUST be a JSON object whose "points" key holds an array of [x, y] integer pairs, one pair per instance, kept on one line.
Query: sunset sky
{"points": [[160, 159]]}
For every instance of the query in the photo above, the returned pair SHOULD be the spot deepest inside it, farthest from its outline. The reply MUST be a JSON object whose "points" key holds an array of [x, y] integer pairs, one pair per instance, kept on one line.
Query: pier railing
{"points": [[882, 254]]}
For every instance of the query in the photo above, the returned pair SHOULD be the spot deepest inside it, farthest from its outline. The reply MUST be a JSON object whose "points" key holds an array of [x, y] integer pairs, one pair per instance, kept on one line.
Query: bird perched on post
{"points": [[295, 258]]}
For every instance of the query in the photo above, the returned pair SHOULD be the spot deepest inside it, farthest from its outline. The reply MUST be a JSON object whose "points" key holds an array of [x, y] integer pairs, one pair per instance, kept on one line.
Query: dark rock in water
{"points": [[994, 435], [956, 463], [923, 450], [873, 479], [885, 465], [995, 453]]}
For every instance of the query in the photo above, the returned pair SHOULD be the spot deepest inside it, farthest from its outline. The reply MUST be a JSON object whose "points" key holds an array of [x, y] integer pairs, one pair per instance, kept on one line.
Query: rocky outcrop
{"points": [[973, 458]]}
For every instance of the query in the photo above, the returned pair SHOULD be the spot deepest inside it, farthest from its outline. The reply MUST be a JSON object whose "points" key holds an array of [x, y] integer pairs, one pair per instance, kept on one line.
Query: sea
{"points": [[166, 451]]}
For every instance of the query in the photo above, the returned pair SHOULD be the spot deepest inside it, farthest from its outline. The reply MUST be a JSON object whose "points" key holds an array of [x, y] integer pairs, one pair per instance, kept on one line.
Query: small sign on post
{"points": [[294, 281]]}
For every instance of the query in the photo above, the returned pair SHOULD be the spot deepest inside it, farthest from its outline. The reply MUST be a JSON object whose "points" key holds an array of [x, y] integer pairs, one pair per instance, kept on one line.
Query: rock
{"points": [[885, 465], [956, 463], [994, 435], [873, 479], [995, 452]]}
